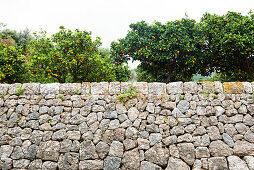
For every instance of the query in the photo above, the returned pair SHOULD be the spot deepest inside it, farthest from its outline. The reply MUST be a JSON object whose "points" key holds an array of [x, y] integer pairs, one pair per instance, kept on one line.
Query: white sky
{"points": [[108, 19]]}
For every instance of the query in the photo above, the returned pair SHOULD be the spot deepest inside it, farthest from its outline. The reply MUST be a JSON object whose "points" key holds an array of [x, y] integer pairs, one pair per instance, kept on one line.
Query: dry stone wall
{"points": [[175, 126]]}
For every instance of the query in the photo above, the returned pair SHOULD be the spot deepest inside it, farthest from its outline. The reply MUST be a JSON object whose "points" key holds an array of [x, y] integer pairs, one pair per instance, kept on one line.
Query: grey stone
{"points": [[228, 140], [114, 124], [35, 164], [155, 138], [133, 114], [116, 149], [17, 153], [99, 88], [216, 163], [170, 140], [243, 148], [131, 159], [21, 163], [219, 110], [175, 88], [65, 145], [174, 163], [241, 128], [177, 130], [150, 107], [87, 150], [214, 133], [91, 118], [219, 148], [5, 151], [129, 144], [249, 136], [102, 149], [30, 152], [98, 108], [190, 87], [145, 165], [173, 150], [250, 161], [77, 119], [112, 163], [73, 135], [201, 111], [110, 114], [235, 163], [183, 106], [187, 152], [131, 133], [59, 135], [91, 165], [177, 113], [158, 155], [68, 161], [48, 165], [49, 150], [52, 88], [200, 130], [202, 152], [185, 138], [143, 143], [157, 88], [122, 117], [197, 165], [13, 120], [152, 128]]}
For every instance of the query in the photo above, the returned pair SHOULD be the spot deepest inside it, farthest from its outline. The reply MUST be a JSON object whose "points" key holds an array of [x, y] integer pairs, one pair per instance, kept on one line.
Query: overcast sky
{"points": [[108, 19]]}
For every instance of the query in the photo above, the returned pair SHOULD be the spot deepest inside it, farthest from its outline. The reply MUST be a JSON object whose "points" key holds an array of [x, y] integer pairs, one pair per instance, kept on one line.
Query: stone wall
{"points": [[175, 126]]}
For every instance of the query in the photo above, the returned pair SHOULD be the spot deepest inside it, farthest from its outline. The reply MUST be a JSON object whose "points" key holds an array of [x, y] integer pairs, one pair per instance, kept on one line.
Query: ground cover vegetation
{"points": [[218, 45]]}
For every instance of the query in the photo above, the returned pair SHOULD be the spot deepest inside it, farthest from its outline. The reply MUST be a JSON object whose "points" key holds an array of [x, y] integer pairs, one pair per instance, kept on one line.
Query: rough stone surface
{"points": [[157, 154], [112, 163], [187, 152], [235, 163], [175, 163], [190, 125], [219, 148]]}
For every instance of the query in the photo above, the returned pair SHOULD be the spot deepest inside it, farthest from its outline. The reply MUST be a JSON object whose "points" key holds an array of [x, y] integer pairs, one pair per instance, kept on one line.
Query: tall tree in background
{"points": [[229, 41], [69, 56], [166, 52]]}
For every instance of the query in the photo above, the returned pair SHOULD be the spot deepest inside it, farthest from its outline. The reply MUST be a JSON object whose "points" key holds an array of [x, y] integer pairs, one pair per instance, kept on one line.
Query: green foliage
{"points": [[166, 120], [166, 52], [12, 64], [77, 91], [215, 96], [180, 97], [127, 95], [206, 93], [50, 121], [68, 56], [19, 90], [61, 96], [19, 117], [229, 49]]}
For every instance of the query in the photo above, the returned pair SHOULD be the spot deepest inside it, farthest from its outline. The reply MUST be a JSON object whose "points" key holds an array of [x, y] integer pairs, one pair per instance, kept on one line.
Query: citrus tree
{"points": [[229, 41], [12, 64], [68, 56], [167, 52]]}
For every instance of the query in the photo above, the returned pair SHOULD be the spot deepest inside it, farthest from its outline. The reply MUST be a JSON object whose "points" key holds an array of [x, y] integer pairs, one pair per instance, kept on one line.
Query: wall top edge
{"points": [[113, 88]]}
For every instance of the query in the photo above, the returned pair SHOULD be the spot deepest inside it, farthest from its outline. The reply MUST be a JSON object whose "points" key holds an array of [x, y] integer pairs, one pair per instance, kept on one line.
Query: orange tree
{"points": [[229, 41], [68, 56], [167, 52], [12, 64]]}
